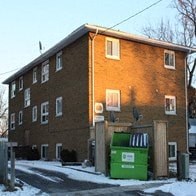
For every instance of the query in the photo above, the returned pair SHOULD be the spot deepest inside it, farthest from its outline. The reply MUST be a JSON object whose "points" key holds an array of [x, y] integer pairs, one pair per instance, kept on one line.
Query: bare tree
{"points": [[3, 111], [183, 33]]}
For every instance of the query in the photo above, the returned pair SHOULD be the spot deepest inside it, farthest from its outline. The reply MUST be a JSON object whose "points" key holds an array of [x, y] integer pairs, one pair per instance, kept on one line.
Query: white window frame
{"points": [[174, 158], [115, 48], [110, 106], [27, 97], [20, 117], [59, 100], [45, 72], [20, 83], [59, 61], [171, 64], [13, 89], [12, 121], [44, 112], [34, 114], [58, 157], [172, 106], [34, 75], [46, 155]]}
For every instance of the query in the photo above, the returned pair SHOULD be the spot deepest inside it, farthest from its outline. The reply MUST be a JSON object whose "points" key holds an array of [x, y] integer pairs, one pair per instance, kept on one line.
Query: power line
{"points": [[155, 3], [9, 71]]}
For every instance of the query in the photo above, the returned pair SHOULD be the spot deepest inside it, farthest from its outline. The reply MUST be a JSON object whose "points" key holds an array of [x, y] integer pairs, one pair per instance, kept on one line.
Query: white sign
{"points": [[127, 166], [128, 157], [99, 118]]}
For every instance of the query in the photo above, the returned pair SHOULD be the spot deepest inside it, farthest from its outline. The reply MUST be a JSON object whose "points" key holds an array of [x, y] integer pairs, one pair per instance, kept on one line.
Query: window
{"points": [[172, 151], [20, 83], [112, 100], [20, 116], [44, 112], [12, 121], [58, 151], [34, 75], [34, 113], [45, 72], [27, 97], [13, 89], [44, 151], [169, 59], [112, 48], [170, 105], [59, 106], [59, 62]]}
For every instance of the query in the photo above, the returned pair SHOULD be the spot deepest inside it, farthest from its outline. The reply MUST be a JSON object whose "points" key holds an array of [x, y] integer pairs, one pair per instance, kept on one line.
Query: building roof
{"points": [[82, 30]]}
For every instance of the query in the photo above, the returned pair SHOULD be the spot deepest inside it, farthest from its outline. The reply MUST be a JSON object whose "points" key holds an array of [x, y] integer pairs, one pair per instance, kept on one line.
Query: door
{"points": [[160, 149]]}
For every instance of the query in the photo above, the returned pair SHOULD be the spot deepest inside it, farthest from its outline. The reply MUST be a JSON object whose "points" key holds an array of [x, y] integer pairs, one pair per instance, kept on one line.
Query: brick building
{"points": [[55, 100]]}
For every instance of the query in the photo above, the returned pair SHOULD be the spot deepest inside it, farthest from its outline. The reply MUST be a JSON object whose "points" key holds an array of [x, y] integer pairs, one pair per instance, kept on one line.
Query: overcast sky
{"points": [[23, 23]]}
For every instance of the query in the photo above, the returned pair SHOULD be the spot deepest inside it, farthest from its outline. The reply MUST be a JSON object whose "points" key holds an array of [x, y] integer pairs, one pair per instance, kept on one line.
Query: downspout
{"points": [[92, 73], [186, 99]]}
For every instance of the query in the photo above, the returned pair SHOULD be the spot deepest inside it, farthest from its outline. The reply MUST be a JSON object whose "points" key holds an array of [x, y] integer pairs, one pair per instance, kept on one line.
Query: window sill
{"points": [[57, 70], [170, 67], [44, 123], [170, 114], [113, 57]]}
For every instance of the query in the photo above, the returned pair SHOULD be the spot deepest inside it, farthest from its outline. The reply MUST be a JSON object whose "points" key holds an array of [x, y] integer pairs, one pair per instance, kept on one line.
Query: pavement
{"points": [[135, 190], [64, 186]]}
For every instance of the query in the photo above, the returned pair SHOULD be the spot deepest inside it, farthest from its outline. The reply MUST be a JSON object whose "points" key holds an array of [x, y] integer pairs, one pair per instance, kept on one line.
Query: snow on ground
{"points": [[88, 174], [27, 190]]}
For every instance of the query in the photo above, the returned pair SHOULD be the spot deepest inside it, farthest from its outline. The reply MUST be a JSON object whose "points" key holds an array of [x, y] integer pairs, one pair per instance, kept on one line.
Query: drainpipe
{"points": [[186, 99], [92, 73]]}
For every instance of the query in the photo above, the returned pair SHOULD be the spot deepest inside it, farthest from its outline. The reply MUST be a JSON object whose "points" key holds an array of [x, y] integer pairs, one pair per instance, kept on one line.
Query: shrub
{"points": [[33, 154], [68, 156]]}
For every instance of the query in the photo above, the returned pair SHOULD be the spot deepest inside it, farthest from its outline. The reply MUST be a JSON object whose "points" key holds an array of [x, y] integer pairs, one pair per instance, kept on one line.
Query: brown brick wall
{"points": [[143, 82], [140, 76], [72, 84]]}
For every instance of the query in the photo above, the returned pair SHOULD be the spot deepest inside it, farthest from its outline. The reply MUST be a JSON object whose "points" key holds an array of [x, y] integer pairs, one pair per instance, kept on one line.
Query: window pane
{"points": [[171, 60], [166, 58], [115, 100], [115, 48], [109, 47]]}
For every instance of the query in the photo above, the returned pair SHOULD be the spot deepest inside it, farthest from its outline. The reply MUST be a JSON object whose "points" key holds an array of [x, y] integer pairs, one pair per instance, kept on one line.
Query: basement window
{"points": [[112, 100], [172, 151], [44, 151], [58, 151]]}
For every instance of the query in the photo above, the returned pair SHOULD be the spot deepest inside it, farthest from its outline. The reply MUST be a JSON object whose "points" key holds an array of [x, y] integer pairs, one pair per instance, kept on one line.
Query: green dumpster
{"points": [[129, 156]]}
